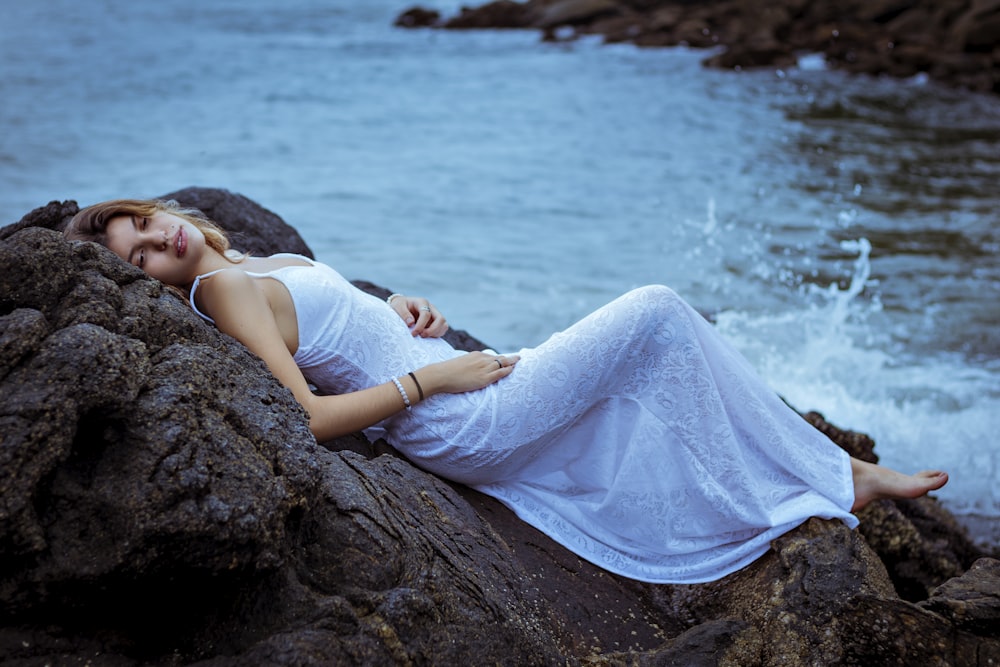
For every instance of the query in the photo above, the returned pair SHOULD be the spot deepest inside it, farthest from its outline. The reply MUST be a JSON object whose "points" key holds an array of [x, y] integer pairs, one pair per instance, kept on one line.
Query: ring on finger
{"points": [[500, 365], [425, 309]]}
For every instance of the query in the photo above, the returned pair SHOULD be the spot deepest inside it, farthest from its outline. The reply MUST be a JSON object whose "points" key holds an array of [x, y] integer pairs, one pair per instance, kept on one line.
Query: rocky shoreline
{"points": [[163, 503], [955, 42]]}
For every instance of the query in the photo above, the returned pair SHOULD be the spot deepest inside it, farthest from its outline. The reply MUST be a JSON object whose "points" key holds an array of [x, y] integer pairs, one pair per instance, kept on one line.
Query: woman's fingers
{"points": [[505, 363], [438, 326], [469, 372], [421, 310], [401, 304], [428, 322], [420, 315], [494, 367]]}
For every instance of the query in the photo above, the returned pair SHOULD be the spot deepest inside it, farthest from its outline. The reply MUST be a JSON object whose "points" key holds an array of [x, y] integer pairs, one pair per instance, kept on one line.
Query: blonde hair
{"points": [[91, 223]]}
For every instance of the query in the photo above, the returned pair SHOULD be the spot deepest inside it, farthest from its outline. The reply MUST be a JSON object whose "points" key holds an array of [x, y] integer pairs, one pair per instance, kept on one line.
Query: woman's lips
{"points": [[181, 242]]}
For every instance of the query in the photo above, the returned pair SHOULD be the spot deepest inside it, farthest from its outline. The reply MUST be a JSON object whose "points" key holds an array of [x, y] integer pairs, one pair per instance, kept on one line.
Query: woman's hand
{"points": [[420, 315], [467, 372]]}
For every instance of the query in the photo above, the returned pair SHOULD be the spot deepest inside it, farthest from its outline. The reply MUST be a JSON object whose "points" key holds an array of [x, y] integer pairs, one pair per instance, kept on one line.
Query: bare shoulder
{"points": [[228, 290], [233, 278]]}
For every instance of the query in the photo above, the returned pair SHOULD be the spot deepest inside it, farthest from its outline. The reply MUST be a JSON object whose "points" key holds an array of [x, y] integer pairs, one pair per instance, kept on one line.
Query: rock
{"points": [[920, 543], [970, 600], [457, 338], [418, 18], [977, 28], [497, 14], [883, 11], [162, 502], [251, 227], [162, 492], [54, 215], [758, 54], [953, 41], [568, 12]]}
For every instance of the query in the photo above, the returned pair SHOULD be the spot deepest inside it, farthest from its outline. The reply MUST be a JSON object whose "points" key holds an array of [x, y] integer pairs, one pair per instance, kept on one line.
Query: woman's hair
{"points": [[91, 223]]}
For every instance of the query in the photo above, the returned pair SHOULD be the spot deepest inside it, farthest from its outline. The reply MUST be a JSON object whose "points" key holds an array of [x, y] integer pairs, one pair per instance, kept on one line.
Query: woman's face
{"points": [[165, 246]]}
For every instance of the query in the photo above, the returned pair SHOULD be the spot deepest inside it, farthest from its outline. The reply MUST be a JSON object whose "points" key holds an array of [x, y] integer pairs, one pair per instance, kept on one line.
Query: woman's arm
{"points": [[240, 308]]}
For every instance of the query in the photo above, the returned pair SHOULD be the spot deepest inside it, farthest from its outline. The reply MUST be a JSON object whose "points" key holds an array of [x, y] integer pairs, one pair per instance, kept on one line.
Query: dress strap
{"points": [[198, 279], [194, 288]]}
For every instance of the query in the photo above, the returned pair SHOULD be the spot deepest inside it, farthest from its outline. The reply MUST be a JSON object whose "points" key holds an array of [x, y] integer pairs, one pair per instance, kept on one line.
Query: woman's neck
{"points": [[211, 260]]}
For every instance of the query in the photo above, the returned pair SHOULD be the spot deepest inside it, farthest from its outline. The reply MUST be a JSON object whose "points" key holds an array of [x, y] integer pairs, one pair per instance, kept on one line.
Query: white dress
{"points": [[637, 438]]}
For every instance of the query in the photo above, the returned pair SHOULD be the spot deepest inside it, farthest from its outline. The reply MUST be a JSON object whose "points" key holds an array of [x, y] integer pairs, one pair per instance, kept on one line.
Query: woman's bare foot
{"points": [[874, 482]]}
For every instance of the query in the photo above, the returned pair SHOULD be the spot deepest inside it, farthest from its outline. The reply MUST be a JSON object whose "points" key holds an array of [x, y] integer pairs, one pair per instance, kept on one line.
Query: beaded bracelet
{"points": [[392, 296], [402, 392]]}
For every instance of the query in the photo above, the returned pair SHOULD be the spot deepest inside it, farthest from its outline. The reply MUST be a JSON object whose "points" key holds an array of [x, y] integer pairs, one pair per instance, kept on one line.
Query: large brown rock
{"points": [[162, 502]]}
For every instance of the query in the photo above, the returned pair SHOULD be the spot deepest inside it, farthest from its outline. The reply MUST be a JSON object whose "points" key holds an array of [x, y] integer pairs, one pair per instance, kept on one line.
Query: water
{"points": [[843, 230]]}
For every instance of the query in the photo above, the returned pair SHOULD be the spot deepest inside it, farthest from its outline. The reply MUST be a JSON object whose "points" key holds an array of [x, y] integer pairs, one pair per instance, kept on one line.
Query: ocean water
{"points": [[843, 231]]}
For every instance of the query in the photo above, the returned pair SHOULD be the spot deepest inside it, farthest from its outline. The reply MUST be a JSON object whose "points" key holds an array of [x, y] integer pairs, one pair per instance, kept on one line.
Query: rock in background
{"points": [[163, 502], [956, 42]]}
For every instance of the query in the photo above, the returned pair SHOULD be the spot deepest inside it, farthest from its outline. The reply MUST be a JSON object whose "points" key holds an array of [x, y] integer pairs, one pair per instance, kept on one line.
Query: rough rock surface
{"points": [[259, 230], [162, 502], [953, 41]]}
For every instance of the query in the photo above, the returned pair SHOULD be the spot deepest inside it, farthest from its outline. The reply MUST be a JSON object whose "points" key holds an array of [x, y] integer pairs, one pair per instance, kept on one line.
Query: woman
{"points": [[636, 438]]}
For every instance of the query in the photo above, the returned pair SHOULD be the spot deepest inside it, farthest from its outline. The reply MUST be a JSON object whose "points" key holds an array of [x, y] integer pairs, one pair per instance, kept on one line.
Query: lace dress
{"points": [[637, 438]]}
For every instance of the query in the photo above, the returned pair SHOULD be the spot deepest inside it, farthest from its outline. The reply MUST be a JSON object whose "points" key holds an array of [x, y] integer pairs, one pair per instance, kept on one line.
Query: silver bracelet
{"points": [[392, 296], [402, 392]]}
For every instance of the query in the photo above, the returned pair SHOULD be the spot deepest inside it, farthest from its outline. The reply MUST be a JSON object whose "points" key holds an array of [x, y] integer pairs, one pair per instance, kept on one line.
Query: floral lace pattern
{"points": [[637, 438]]}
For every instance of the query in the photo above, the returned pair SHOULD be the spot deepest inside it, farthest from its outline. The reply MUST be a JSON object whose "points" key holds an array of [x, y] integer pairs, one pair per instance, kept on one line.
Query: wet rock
{"points": [[954, 41], [150, 464]]}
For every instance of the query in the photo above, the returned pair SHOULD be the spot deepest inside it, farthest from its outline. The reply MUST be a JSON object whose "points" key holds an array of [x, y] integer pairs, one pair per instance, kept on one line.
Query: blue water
{"points": [[843, 230]]}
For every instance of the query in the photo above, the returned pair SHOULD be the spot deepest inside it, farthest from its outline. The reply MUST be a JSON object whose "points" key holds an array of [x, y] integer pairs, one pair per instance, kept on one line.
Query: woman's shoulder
{"points": [[249, 267], [265, 265], [215, 290], [224, 280], [234, 302]]}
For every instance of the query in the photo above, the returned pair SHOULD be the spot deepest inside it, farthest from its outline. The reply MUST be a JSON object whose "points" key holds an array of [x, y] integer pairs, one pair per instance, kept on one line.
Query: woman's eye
{"points": [[145, 221], [142, 258]]}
